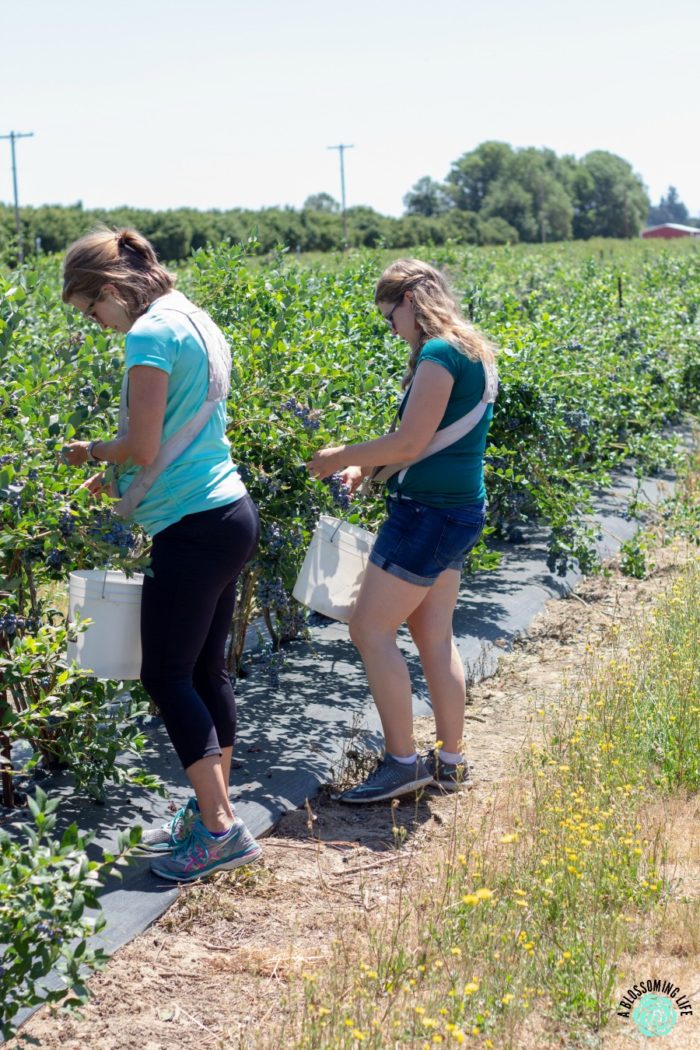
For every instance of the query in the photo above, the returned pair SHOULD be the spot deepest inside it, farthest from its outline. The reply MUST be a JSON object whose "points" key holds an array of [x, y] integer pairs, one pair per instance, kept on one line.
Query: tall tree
{"points": [[611, 201], [427, 197], [530, 197], [321, 202], [669, 209], [470, 177]]}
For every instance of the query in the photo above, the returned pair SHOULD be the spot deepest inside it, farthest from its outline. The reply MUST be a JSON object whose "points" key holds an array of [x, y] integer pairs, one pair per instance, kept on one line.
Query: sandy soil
{"points": [[215, 966]]}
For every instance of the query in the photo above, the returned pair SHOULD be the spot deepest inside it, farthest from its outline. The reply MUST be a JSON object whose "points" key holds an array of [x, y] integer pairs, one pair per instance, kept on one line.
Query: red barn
{"points": [[671, 229]]}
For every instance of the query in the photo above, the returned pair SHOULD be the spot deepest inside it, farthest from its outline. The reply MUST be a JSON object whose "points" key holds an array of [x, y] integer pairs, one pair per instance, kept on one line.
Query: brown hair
{"points": [[122, 258], [436, 311]]}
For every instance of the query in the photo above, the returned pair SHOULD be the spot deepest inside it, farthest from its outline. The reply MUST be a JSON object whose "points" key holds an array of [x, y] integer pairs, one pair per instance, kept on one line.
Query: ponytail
{"points": [[122, 258]]}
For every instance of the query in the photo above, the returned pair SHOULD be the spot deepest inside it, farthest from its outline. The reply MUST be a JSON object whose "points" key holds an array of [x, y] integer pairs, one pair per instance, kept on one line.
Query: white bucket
{"points": [[110, 647], [331, 574]]}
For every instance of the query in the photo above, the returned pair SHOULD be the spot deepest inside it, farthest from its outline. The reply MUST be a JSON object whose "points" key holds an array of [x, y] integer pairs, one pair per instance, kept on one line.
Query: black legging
{"points": [[186, 612]]}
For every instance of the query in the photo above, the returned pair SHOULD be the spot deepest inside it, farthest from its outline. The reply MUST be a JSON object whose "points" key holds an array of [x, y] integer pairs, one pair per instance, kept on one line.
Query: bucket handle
{"points": [[337, 529]]}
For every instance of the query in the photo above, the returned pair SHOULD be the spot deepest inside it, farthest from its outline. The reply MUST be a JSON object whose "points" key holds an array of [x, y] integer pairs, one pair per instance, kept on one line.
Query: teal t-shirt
{"points": [[455, 476], [204, 475]]}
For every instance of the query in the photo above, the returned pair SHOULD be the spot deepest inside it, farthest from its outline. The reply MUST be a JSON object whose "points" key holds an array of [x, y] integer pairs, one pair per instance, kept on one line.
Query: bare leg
{"points": [[431, 629], [211, 788], [383, 605], [226, 759]]}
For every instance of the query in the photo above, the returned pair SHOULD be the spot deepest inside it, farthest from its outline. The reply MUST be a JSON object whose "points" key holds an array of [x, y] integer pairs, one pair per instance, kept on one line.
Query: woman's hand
{"points": [[352, 477], [75, 453], [148, 394], [327, 461], [95, 485]]}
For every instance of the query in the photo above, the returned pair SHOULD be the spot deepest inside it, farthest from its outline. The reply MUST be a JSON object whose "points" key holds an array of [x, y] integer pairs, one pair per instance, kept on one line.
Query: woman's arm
{"points": [[426, 406], [148, 392]]}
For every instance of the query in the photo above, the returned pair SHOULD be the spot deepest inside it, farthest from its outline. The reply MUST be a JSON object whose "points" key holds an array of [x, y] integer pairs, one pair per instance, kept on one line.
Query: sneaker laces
{"points": [[182, 826], [194, 843], [377, 772], [370, 776]]}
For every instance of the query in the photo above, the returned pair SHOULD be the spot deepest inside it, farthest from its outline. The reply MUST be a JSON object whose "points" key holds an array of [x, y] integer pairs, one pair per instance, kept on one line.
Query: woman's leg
{"points": [[430, 625], [210, 776], [384, 603], [185, 603], [210, 785]]}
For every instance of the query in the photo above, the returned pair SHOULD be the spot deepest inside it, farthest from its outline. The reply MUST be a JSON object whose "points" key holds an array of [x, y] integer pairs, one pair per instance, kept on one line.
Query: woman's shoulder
{"points": [[164, 319], [436, 345], [445, 353], [439, 347]]}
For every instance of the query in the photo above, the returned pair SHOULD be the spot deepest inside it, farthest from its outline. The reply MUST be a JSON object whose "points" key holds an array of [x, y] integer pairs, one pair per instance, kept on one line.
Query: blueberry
{"points": [[340, 492]]}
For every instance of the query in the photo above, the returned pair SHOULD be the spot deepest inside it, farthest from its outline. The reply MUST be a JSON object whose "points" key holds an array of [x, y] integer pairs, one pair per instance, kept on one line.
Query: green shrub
{"points": [[46, 885]]}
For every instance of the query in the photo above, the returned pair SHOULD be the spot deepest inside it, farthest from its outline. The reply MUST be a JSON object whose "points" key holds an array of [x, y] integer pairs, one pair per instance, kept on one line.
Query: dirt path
{"points": [[214, 968]]}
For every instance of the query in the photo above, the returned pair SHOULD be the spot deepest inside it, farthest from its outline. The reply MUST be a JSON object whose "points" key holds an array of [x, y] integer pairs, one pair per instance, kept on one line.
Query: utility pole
{"points": [[341, 150], [18, 225]]}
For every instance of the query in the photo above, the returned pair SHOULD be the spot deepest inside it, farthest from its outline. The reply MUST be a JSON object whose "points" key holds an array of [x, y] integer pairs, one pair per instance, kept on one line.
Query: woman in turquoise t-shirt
{"points": [[436, 513], [203, 525]]}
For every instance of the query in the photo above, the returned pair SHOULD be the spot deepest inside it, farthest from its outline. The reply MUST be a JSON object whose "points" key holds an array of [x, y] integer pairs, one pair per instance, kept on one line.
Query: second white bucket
{"points": [[110, 647]]}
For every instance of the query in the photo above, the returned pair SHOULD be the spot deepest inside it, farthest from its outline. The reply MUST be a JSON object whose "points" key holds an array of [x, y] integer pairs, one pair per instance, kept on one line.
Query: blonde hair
{"points": [[123, 258], [436, 311]]}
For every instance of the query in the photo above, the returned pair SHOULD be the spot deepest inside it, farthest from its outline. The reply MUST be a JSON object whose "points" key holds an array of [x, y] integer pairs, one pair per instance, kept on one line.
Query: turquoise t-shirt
{"points": [[204, 475], [455, 476]]}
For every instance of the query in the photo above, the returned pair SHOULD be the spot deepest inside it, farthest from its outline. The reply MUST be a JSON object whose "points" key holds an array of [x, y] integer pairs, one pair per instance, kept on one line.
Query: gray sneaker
{"points": [[446, 775], [203, 854], [176, 830], [391, 779]]}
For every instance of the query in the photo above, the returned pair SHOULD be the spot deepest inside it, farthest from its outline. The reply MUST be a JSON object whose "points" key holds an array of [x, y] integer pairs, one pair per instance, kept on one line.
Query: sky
{"points": [[216, 104]]}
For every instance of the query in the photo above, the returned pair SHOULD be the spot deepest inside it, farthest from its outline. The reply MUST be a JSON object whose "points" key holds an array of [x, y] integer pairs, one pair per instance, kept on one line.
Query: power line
{"points": [[18, 225], [341, 150]]}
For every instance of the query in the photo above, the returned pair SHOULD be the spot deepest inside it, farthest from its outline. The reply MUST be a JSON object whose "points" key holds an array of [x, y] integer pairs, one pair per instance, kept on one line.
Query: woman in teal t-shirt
{"points": [[203, 525], [436, 513]]}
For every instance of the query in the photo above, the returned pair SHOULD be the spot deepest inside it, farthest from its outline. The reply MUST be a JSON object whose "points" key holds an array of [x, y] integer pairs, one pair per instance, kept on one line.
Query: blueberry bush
{"points": [[46, 885], [600, 357]]}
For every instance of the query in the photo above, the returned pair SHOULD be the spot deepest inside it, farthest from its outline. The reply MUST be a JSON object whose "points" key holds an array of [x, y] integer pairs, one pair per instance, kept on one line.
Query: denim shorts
{"points": [[418, 542]]}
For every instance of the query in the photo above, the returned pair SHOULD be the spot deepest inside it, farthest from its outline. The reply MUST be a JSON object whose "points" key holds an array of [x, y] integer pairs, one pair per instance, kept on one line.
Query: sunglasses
{"points": [[90, 308], [389, 318]]}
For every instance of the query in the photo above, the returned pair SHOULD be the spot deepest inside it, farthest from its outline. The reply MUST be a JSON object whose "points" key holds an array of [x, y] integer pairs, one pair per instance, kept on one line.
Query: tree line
{"points": [[494, 194]]}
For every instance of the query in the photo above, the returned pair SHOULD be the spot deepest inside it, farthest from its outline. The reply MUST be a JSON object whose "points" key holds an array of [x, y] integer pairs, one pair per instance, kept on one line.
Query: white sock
{"points": [[453, 758], [406, 760]]}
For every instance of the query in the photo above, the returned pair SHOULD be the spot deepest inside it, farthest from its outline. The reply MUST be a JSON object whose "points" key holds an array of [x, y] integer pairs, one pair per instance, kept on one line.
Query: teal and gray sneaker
{"points": [[203, 854], [391, 779], [176, 830], [447, 776]]}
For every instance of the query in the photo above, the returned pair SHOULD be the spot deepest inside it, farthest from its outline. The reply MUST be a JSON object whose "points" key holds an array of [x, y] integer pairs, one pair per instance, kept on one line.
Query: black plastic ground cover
{"points": [[292, 738]]}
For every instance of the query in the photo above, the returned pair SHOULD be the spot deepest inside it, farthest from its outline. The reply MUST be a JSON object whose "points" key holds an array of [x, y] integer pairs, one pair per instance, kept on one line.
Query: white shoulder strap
{"points": [[448, 435]]}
